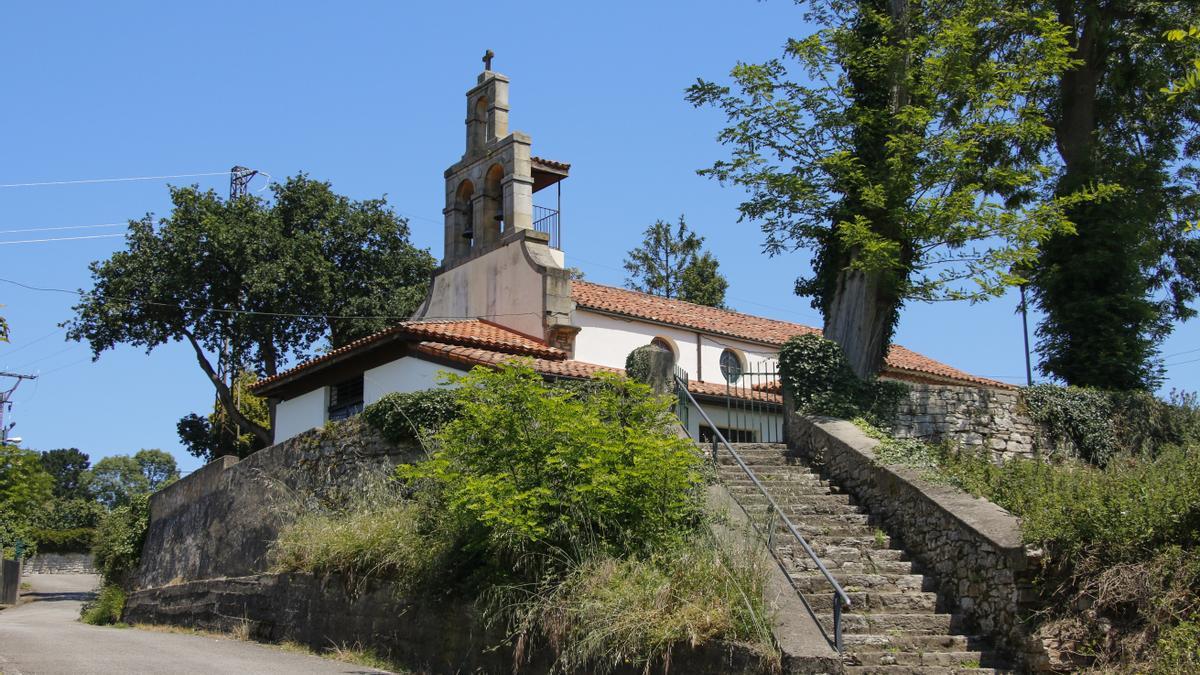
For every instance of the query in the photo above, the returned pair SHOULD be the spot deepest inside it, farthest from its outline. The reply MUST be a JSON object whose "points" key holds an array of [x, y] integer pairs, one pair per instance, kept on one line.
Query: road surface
{"points": [[45, 636]]}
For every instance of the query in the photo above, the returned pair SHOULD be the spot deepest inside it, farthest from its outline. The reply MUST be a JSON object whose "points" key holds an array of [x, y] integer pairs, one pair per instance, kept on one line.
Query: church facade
{"points": [[503, 292]]}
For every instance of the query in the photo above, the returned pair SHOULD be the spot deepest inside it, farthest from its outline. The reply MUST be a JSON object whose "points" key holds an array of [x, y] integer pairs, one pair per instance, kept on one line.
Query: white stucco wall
{"points": [[297, 415], [606, 340], [402, 375]]}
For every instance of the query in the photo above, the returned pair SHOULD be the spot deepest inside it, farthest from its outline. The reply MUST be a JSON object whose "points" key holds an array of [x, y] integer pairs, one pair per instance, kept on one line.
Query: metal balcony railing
{"points": [[545, 219]]}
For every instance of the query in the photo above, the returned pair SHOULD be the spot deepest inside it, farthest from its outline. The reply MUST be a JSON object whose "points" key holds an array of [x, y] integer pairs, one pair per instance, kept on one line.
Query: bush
{"points": [[536, 469], [118, 542], [815, 373], [76, 540], [407, 417], [1178, 649], [106, 609], [637, 363], [1097, 425]]}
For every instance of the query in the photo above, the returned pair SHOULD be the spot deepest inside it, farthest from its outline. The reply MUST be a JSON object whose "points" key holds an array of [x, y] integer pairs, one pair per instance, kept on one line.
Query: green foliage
{"points": [[3, 329], [637, 364], [118, 478], [902, 149], [25, 488], [217, 434], [670, 263], [311, 265], [1112, 292], [612, 612], [117, 546], [408, 417], [106, 609], [1178, 649], [1099, 424], [68, 467], [535, 469], [75, 540], [816, 375]]}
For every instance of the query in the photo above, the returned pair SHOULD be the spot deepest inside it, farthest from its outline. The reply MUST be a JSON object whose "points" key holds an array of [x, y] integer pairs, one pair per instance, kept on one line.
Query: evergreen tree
{"points": [[1113, 291], [669, 263], [67, 466]]}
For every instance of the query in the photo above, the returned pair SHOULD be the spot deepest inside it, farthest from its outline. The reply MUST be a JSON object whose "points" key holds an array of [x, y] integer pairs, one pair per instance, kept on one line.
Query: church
{"points": [[503, 292]]}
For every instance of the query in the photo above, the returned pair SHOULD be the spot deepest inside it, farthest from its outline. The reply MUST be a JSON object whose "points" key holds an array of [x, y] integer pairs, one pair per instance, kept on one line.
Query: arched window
{"points": [[493, 204], [731, 365], [665, 345], [479, 123], [465, 206]]}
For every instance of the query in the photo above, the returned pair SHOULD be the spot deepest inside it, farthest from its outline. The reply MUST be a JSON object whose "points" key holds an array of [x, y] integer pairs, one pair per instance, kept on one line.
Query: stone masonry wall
{"points": [[60, 563], [973, 417], [972, 547], [219, 521]]}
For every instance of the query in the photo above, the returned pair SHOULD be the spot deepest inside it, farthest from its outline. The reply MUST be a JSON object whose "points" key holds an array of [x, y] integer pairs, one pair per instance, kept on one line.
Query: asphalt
{"points": [[44, 635]]}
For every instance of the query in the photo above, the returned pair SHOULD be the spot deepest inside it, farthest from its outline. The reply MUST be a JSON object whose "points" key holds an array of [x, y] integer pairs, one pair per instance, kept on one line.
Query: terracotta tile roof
{"points": [[472, 332], [551, 164], [901, 362]]}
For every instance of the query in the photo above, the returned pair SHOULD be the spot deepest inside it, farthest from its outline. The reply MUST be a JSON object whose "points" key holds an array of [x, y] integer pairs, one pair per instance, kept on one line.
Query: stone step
{"points": [[788, 547], [799, 565], [815, 582], [800, 486], [887, 623], [920, 670], [871, 601], [861, 644], [784, 495], [760, 458], [959, 659], [769, 472], [873, 543]]}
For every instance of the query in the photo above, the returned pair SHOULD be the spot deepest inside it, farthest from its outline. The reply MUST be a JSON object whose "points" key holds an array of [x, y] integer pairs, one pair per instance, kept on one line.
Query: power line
{"points": [[42, 241], [65, 227], [112, 180]]}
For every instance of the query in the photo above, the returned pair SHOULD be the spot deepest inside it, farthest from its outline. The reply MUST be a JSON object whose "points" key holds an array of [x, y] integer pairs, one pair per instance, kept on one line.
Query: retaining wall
{"points": [[220, 521], [972, 547], [973, 417], [60, 563]]}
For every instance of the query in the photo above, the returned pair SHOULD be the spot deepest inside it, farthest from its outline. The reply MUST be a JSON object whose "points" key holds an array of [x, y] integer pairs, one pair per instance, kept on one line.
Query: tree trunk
{"points": [[859, 318], [262, 433]]}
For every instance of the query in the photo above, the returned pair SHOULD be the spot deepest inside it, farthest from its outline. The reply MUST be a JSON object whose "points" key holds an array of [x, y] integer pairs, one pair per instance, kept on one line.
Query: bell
{"points": [[468, 233]]}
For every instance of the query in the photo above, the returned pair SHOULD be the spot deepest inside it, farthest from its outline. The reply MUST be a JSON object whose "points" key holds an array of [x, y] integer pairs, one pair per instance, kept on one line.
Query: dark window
{"points": [[731, 366], [731, 435], [346, 398]]}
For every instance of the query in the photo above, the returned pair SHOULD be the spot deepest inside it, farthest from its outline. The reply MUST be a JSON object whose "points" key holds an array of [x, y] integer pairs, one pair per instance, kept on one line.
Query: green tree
{"points": [[253, 283], [1114, 291], [117, 479], [669, 263], [67, 466], [217, 435], [25, 488], [3, 330], [906, 155]]}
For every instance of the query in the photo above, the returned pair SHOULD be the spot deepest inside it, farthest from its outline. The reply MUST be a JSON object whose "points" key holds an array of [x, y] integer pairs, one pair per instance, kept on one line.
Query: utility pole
{"points": [[1025, 333], [6, 401]]}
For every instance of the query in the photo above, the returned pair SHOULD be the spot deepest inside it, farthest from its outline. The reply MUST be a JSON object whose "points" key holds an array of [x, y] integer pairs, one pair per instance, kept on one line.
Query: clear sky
{"points": [[370, 96]]}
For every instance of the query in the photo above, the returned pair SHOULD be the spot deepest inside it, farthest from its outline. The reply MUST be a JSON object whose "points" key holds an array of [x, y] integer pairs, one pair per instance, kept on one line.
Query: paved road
{"points": [[44, 636]]}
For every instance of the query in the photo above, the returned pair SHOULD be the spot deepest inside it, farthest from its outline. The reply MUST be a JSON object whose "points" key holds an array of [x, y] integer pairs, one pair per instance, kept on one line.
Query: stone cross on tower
{"points": [[487, 59]]}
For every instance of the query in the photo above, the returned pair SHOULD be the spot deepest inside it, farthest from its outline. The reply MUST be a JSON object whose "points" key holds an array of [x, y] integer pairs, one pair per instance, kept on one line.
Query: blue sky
{"points": [[369, 96]]}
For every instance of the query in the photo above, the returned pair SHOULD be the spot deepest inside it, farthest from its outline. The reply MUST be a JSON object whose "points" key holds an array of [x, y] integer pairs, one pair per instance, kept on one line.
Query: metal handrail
{"points": [[840, 597]]}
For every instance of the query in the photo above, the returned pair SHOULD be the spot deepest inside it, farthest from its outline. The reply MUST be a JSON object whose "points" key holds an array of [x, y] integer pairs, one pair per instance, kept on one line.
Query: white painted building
{"points": [[503, 292]]}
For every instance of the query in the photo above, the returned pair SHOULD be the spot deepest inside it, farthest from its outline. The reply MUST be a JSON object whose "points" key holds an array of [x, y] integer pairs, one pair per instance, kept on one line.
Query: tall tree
{"points": [[254, 284], [216, 434], [67, 466], [669, 263], [906, 157], [116, 479], [25, 489], [1113, 292]]}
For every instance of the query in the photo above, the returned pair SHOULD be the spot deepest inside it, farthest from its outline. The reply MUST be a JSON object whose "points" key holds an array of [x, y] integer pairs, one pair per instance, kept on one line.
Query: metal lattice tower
{"points": [[239, 181]]}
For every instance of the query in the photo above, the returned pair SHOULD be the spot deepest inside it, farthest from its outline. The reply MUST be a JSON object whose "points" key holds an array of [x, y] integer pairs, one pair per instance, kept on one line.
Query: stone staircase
{"points": [[896, 623]]}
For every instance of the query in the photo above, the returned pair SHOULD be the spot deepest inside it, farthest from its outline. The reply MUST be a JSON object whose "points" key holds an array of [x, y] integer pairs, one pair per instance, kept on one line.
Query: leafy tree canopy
{"points": [[670, 263], [25, 488], [117, 479], [253, 282], [67, 466], [217, 434], [900, 143]]}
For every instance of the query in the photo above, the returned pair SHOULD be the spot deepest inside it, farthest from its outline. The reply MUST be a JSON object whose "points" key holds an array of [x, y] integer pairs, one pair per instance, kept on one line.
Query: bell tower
{"points": [[499, 262]]}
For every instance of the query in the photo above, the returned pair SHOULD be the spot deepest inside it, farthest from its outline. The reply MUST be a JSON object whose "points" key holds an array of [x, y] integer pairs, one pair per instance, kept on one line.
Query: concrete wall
{"points": [[60, 563], [972, 547], [297, 415], [607, 340], [973, 417], [437, 635], [221, 520], [403, 375]]}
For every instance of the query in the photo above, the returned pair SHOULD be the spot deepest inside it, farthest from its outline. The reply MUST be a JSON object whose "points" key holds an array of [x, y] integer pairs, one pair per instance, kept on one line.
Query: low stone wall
{"points": [[438, 635], [971, 546], [220, 521], [60, 563], [973, 417]]}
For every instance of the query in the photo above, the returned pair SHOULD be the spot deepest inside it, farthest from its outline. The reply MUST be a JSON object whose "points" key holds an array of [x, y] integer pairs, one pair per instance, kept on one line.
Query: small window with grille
{"points": [[731, 366], [346, 398]]}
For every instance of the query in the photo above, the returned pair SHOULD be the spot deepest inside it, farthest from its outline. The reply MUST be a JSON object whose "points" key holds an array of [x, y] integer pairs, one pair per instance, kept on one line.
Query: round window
{"points": [[731, 365]]}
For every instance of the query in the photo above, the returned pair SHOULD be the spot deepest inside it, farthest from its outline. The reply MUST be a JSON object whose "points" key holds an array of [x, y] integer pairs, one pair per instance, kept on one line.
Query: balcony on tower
{"points": [[547, 173]]}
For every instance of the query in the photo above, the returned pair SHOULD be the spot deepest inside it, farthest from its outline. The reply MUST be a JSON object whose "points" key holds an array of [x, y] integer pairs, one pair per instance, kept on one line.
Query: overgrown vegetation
{"points": [[1121, 543], [106, 609], [573, 515], [407, 417], [819, 380], [118, 544]]}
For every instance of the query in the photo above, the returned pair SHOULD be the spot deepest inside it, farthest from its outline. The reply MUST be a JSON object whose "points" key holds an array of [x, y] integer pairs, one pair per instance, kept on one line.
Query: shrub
{"points": [[536, 469], [815, 373], [1178, 649], [407, 417], [117, 546], [106, 609], [637, 363], [76, 540]]}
